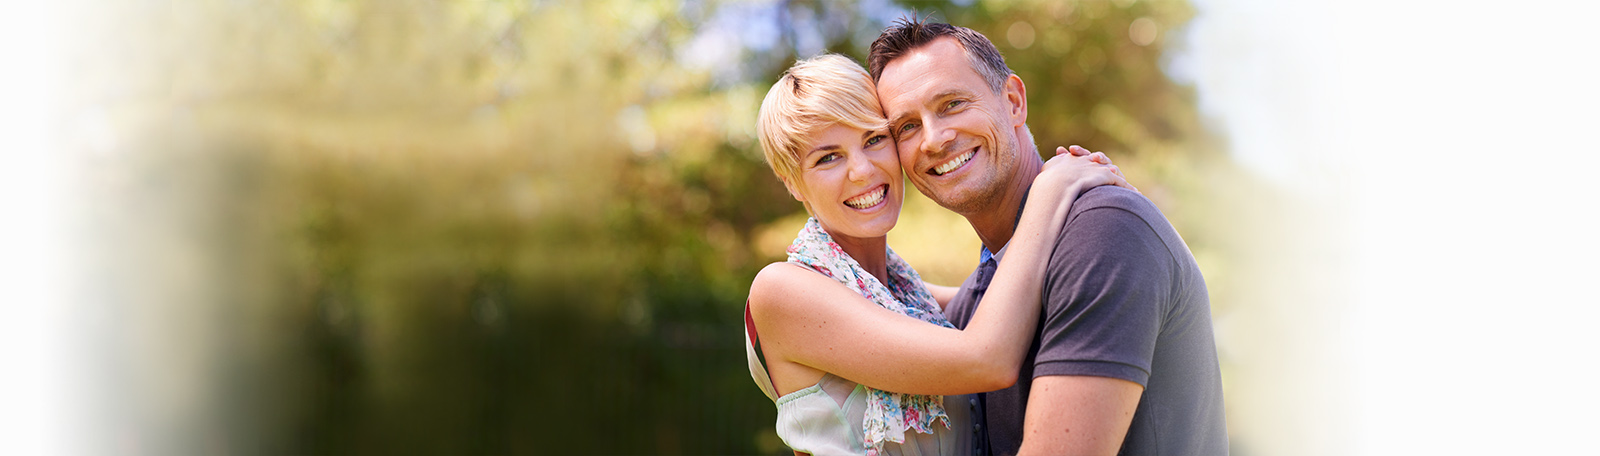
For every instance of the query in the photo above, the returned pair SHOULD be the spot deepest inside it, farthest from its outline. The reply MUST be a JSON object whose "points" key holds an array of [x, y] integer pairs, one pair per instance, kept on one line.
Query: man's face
{"points": [[956, 137]]}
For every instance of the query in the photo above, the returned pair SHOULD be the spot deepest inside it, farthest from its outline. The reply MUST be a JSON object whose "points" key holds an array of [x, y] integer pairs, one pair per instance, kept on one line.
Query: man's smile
{"points": [[953, 163]]}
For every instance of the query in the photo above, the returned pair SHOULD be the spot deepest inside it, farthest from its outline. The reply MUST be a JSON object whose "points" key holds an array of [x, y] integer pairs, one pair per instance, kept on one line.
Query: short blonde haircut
{"points": [[814, 94]]}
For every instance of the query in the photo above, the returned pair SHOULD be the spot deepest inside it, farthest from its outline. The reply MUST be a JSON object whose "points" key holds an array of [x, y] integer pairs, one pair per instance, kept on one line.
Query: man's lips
{"points": [[953, 163], [868, 199]]}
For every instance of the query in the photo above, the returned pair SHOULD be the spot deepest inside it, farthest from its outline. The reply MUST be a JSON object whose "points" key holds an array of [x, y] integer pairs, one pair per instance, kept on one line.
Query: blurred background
{"points": [[528, 227]]}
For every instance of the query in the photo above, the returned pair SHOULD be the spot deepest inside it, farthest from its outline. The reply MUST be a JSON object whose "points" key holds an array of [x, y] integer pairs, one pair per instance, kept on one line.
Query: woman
{"points": [[850, 373]]}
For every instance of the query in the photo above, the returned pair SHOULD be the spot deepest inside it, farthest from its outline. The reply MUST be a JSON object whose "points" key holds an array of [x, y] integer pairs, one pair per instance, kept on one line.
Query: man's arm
{"points": [[1106, 290], [1074, 414]]}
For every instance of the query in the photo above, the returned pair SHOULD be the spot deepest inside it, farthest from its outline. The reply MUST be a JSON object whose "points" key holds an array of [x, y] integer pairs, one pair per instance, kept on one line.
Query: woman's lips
{"points": [[868, 199]]}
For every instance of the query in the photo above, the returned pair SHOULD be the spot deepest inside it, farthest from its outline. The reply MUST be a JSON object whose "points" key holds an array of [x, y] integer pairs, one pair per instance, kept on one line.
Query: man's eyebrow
{"points": [[934, 100], [897, 120], [949, 94]]}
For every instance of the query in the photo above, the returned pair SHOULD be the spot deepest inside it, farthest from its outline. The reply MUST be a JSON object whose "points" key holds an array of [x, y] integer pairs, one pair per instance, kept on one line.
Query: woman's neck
{"points": [[872, 253]]}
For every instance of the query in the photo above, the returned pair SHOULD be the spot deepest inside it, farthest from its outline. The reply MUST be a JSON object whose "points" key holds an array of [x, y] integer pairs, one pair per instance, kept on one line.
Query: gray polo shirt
{"points": [[1123, 298]]}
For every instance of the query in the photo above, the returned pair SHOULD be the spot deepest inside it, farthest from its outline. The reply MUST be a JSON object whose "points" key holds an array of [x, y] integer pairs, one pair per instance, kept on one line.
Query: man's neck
{"points": [[996, 226]]}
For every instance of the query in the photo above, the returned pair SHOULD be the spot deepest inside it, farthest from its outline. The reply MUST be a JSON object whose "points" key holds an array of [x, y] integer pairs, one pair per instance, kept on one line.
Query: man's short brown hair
{"points": [[909, 33]]}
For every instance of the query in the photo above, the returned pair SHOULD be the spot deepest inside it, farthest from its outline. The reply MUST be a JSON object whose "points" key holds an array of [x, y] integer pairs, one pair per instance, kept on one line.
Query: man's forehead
{"points": [[912, 77]]}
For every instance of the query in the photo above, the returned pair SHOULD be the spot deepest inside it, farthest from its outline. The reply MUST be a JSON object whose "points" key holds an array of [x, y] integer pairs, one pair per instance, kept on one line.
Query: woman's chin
{"points": [[861, 223], [878, 226]]}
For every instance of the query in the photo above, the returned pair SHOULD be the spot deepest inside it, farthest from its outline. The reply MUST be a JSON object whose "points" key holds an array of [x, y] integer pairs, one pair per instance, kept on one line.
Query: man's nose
{"points": [[936, 137]]}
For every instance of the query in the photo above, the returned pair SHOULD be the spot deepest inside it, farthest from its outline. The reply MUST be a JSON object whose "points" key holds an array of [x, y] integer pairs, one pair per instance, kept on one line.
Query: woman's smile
{"points": [[870, 198]]}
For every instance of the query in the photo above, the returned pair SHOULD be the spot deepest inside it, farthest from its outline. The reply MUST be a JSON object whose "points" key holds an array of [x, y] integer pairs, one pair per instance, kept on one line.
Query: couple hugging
{"points": [[1086, 328]]}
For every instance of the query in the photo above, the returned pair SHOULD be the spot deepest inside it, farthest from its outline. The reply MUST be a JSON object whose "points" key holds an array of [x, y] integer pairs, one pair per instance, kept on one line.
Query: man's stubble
{"points": [[1004, 168]]}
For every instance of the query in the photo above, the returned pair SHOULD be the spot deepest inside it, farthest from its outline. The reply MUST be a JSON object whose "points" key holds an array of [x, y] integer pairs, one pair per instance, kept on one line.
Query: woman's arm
{"points": [[811, 320]]}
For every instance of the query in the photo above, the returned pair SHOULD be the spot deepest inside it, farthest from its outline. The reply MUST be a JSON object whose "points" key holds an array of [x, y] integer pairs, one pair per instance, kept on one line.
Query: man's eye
{"points": [[907, 127], [952, 104]]}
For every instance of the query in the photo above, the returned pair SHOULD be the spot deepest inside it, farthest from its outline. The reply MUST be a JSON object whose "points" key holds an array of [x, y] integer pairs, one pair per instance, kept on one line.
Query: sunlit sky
{"points": [[1449, 139], [1263, 76], [38, 383]]}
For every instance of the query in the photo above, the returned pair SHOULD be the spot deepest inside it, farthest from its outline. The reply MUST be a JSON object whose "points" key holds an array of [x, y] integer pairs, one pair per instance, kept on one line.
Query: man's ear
{"points": [[792, 191], [1017, 99]]}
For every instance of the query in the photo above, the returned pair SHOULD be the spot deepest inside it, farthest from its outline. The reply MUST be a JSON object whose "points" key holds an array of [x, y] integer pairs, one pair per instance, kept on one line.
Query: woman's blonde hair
{"points": [[813, 94]]}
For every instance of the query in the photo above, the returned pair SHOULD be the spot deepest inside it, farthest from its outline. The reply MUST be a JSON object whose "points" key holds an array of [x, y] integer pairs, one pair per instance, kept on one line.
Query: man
{"points": [[1124, 359]]}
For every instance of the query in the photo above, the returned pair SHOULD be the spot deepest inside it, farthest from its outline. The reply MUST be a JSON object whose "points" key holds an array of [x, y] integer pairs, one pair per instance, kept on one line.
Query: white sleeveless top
{"points": [[826, 418]]}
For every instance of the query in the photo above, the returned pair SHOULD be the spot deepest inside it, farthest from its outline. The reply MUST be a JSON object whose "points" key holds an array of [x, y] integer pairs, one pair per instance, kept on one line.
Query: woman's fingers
{"points": [[1077, 151], [1123, 182], [1074, 151], [1066, 159], [1115, 177]]}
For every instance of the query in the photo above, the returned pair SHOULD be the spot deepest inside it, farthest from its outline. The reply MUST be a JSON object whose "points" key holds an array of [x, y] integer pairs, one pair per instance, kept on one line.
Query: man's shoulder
{"points": [[1115, 212], [1114, 223], [1110, 196]]}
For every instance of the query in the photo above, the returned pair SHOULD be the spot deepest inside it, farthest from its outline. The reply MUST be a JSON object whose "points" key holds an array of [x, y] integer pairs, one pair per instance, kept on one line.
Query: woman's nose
{"points": [[860, 168]]}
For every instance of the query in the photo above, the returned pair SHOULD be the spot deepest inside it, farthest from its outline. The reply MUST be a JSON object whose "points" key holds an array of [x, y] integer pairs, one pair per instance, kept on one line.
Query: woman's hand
{"points": [[1078, 169]]}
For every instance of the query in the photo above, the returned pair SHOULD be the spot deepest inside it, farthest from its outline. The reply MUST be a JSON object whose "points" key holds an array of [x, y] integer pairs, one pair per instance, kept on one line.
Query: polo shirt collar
{"points": [[983, 251]]}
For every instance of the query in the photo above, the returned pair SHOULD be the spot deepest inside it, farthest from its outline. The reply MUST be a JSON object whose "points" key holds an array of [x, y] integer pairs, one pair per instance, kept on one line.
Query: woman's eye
{"points": [[875, 140], [827, 158]]}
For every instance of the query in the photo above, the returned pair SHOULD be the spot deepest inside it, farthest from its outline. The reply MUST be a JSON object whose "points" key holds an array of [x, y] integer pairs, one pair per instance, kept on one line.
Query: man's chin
{"points": [[929, 194], [954, 198], [952, 202], [964, 202]]}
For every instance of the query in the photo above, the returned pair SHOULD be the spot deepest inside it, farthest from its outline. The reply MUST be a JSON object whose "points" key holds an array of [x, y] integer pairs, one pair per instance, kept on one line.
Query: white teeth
{"points": [[952, 164], [867, 200]]}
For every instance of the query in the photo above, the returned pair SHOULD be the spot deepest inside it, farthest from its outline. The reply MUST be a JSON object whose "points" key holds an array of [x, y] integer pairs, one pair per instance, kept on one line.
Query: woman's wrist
{"points": [[1054, 196], [1048, 191], [1046, 208]]}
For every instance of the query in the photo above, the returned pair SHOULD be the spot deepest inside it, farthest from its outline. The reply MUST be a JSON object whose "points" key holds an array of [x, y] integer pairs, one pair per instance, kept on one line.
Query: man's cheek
{"points": [[908, 156]]}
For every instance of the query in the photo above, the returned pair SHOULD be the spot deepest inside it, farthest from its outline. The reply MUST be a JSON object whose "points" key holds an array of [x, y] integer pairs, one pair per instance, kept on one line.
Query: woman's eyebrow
{"points": [[824, 148]]}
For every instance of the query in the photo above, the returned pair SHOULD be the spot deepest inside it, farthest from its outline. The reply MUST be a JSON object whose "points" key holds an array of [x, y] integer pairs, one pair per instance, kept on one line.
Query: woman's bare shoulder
{"points": [[774, 282], [785, 287]]}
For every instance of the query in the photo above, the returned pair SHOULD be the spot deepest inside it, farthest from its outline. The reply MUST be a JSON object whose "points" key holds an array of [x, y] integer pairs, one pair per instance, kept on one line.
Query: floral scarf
{"points": [[889, 414]]}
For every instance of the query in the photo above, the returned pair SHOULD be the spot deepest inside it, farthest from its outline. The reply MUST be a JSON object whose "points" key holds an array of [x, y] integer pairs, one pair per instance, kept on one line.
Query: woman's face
{"points": [[850, 179]]}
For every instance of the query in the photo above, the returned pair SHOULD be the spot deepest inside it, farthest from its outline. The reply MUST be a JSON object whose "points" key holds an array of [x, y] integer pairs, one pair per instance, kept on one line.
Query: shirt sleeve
{"points": [[1105, 293]]}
